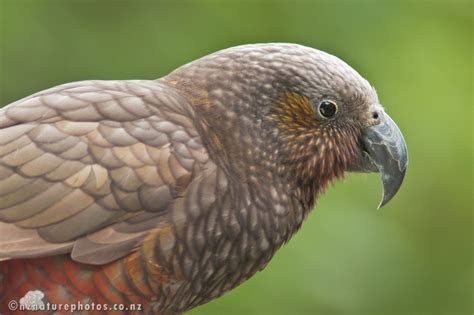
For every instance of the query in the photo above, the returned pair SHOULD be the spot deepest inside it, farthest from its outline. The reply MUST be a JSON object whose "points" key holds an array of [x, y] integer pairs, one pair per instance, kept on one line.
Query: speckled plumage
{"points": [[170, 193]]}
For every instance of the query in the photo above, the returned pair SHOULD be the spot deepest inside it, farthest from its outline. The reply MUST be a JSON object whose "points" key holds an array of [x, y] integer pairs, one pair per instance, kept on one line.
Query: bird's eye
{"points": [[327, 109]]}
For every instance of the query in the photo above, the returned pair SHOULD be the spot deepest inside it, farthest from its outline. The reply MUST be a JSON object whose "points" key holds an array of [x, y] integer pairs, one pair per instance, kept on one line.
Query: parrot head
{"points": [[301, 113]]}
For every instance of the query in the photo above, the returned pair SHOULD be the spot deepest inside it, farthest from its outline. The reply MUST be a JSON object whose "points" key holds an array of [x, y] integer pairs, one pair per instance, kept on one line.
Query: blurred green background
{"points": [[415, 256]]}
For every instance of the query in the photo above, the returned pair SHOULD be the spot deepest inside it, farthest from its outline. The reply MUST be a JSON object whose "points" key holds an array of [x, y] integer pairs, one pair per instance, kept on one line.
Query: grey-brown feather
{"points": [[88, 155], [188, 170]]}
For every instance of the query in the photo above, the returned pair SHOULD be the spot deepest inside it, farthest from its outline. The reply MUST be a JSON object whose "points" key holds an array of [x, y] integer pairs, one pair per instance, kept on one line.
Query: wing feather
{"points": [[90, 167]]}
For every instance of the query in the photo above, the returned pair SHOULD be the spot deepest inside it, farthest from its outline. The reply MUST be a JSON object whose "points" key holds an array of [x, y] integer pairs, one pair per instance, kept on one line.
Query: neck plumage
{"points": [[265, 143]]}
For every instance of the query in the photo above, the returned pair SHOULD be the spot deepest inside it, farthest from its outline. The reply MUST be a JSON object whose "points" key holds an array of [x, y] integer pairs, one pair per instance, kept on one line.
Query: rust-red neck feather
{"points": [[311, 151]]}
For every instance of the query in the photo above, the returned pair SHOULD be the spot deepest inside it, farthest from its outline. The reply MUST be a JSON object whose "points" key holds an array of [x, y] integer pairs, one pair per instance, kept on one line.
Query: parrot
{"points": [[157, 196]]}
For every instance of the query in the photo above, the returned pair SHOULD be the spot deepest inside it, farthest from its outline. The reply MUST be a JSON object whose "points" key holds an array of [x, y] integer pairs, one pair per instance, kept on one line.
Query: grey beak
{"points": [[387, 152]]}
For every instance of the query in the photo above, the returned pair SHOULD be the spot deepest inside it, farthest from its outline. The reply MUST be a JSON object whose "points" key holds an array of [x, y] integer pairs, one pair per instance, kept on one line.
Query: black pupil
{"points": [[327, 109]]}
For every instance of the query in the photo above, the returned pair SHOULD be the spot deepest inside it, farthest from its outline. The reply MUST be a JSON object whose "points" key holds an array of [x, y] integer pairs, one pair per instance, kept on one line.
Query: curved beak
{"points": [[386, 152]]}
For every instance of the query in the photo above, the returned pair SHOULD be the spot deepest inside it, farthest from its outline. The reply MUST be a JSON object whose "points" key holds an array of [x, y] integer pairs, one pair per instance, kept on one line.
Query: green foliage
{"points": [[415, 256]]}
